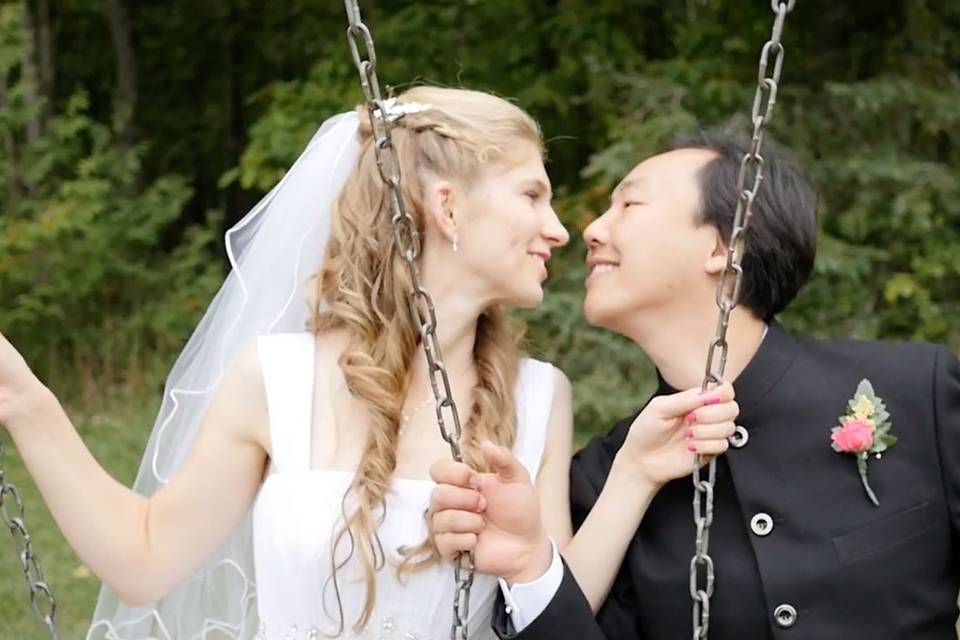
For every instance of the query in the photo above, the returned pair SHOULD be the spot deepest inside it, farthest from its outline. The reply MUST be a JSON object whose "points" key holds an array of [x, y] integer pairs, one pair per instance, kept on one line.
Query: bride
{"points": [[283, 489]]}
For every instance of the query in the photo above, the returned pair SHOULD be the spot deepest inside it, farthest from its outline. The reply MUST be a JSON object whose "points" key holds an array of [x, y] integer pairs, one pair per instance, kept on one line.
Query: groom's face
{"points": [[647, 252]]}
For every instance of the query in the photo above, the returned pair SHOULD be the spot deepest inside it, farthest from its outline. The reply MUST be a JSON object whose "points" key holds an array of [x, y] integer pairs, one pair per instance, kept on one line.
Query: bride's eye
{"points": [[533, 195], [633, 203]]}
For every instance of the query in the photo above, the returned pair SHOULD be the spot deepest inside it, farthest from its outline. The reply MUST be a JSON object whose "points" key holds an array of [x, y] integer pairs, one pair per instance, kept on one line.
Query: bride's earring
{"points": [[455, 244]]}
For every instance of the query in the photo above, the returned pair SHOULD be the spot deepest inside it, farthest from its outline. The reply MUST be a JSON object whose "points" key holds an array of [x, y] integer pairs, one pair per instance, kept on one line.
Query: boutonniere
{"points": [[864, 430]]}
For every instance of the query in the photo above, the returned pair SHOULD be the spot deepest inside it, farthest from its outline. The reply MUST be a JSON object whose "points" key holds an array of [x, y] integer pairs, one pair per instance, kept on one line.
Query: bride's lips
{"points": [[542, 257]]}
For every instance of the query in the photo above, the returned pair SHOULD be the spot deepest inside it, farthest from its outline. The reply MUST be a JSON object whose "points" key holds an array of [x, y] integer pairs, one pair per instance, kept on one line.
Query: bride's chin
{"points": [[529, 299], [531, 302]]}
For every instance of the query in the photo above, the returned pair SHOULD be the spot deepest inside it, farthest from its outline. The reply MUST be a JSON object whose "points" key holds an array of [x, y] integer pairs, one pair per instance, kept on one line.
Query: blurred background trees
{"points": [[133, 134]]}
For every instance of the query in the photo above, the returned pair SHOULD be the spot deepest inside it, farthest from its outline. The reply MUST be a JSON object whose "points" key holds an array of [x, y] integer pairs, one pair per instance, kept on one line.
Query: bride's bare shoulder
{"points": [[332, 341], [243, 381], [242, 395], [331, 344]]}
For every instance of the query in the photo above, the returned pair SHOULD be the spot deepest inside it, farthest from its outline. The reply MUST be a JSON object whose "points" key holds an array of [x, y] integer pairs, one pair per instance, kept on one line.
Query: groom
{"points": [[800, 549]]}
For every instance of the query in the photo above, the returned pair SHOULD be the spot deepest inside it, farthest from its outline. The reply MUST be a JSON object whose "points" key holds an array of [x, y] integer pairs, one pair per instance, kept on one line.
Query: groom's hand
{"points": [[495, 515]]}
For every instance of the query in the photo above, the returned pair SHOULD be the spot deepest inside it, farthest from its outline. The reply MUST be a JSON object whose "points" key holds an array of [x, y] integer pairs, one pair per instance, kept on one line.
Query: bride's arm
{"points": [[595, 553], [656, 450], [553, 478], [143, 547]]}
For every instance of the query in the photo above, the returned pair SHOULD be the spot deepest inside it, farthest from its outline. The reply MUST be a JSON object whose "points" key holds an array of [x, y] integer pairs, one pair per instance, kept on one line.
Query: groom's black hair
{"points": [[782, 237]]}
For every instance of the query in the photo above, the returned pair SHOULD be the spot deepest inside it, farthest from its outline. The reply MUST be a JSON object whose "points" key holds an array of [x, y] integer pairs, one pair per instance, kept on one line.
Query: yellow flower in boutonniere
{"points": [[862, 407]]}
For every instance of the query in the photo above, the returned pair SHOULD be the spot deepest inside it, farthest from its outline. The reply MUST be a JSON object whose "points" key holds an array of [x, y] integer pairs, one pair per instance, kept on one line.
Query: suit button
{"points": [[785, 616], [761, 524], [739, 438]]}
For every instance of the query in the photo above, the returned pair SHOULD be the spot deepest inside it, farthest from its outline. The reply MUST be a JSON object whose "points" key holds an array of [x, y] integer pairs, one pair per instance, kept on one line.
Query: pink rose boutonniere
{"points": [[863, 431]]}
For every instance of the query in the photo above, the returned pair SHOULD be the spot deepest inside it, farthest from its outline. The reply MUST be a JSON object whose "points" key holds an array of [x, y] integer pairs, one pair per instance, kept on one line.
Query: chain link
{"points": [[749, 178], [421, 304], [41, 597]]}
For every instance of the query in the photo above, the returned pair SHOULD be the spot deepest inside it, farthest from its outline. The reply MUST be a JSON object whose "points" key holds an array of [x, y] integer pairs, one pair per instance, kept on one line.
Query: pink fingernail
{"points": [[712, 400], [692, 447], [692, 416], [688, 433]]}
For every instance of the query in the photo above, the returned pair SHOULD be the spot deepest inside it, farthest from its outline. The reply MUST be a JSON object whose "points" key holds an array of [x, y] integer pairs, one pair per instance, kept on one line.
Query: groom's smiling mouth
{"points": [[599, 266]]}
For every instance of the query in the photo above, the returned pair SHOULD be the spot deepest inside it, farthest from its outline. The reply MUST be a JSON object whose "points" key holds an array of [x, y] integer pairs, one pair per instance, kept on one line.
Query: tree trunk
{"points": [[237, 202], [9, 146], [125, 99], [46, 56], [28, 71]]}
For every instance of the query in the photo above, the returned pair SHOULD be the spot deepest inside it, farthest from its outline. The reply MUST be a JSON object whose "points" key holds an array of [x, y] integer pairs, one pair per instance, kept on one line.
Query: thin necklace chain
{"points": [[405, 418]]}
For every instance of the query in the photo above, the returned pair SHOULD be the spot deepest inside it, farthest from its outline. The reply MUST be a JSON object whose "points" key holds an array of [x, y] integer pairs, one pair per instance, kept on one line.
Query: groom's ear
{"points": [[716, 261], [441, 208]]}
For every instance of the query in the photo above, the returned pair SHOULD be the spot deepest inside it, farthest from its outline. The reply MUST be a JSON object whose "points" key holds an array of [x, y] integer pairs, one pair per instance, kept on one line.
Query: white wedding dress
{"points": [[298, 510]]}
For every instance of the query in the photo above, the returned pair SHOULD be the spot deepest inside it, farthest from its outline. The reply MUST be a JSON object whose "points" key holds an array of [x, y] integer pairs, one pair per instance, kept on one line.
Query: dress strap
{"points": [[287, 361], [535, 385]]}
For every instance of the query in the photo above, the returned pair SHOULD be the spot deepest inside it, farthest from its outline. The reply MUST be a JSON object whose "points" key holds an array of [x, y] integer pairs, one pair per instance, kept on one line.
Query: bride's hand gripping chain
{"points": [[674, 430], [22, 396]]}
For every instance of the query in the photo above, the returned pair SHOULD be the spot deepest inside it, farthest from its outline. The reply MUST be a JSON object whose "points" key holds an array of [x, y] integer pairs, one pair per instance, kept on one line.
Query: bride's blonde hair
{"points": [[365, 289]]}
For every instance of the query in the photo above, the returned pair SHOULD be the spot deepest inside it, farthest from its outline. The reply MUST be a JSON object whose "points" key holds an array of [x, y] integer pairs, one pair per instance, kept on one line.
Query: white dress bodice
{"points": [[298, 511]]}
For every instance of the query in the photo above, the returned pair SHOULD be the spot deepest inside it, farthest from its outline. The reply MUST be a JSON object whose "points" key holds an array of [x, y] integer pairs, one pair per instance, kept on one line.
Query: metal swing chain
{"points": [[728, 295], [41, 597], [421, 304]]}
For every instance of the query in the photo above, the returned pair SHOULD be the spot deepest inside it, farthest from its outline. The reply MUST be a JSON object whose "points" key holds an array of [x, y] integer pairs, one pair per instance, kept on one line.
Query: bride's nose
{"points": [[554, 231]]}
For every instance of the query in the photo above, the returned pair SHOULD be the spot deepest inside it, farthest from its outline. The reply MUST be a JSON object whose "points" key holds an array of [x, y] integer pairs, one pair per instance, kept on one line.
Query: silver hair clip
{"points": [[396, 110]]}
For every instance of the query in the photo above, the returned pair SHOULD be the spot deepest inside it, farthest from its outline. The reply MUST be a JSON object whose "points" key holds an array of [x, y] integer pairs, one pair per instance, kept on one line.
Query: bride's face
{"points": [[507, 230]]}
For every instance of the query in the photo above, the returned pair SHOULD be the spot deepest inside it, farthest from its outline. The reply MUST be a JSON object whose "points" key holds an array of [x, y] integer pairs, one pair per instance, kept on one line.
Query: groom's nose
{"points": [[596, 233]]}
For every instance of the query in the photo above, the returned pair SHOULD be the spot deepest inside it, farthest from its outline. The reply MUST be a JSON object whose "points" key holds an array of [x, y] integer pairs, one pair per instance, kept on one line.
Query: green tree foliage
{"points": [[231, 90], [84, 270]]}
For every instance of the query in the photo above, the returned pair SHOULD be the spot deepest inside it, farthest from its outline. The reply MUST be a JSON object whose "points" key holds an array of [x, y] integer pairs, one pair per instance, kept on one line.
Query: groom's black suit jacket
{"points": [[851, 570]]}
